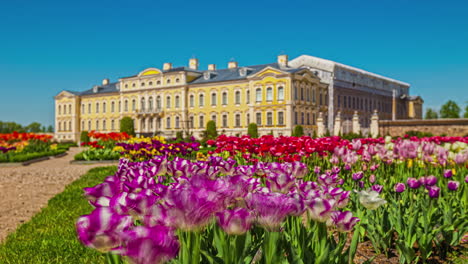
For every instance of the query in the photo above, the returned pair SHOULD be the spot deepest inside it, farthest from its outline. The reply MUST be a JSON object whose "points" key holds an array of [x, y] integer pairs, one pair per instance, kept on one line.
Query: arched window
{"points": [[192, 121], [89, 125], [168, 102], [308, 119], [269, 94], [302, 93], [126, 106], [142, 103], [177, 101], [97, 107], [177, 122], [112, 125], [225, 122], [133, 105], [151, 121], [296, 94], [89, 108], [201, 122], [104, 127], [307, 94], [97, 125], [258, 95], [113, 107], [82, 125], [213, 118], [213, 99], [280, 93], [83, 108], [247, 97], [142, 84], [104, 107], [158, 83], [70, 125], [158, 102], [280, 118], [177, 80], [168, 122], [192, 100], [238, 99], [133, 84], [302, 118], [270, 118], [143, 124], [201, 100], [168, 81], [248, 119], [59, 109], [59, 126], [225, 99], [150, 103], [259, 119], [150, 83], [238, 120], [69, 109]]}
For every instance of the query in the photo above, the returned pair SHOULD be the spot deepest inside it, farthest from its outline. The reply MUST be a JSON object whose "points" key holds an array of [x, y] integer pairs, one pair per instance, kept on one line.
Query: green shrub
{"points": [[211, 132], [127, 126], [84, 138], [253, 130], [298, 131]]}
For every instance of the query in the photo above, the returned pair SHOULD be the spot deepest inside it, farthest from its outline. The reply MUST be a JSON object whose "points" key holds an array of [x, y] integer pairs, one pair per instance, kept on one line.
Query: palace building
{"points": [[275, 96]]}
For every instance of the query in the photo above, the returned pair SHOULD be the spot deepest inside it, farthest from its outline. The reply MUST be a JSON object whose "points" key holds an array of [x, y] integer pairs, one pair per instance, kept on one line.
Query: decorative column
{"points": [[320, 126], [337, 125], [374, 125], [356, 125], [394, 105]]}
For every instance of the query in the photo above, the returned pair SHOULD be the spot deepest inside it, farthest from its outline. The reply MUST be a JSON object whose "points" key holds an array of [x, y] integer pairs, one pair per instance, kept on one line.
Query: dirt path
{"points": [[25, 190]]}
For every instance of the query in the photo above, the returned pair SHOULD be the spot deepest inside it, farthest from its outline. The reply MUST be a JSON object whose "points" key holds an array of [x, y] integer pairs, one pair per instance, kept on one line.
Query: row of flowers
{"points": [[284, 199]]}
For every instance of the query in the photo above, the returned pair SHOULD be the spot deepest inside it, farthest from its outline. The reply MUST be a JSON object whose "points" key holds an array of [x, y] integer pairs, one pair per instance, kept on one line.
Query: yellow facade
{"points": [[274, 96]]}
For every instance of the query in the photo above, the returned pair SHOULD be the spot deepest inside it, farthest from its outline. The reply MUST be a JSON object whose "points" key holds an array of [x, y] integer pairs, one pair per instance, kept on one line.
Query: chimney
{"points": [[193, 64], [232, 65], [212, 67], [105, 82], [167, 66], [283, 60]]}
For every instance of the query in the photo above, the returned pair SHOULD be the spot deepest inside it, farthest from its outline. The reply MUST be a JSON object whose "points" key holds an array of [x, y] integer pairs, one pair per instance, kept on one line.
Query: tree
{"points": [[127, 126], [84, 138], [298, 131], [211, 132], [450, 110], [466, 112], [253, 130], [34, 127], [50, 129], [431, 114]]}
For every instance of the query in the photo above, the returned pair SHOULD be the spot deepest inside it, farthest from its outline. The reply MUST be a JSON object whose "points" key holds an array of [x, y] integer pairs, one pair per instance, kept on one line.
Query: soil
{"points": [[24, 190]]}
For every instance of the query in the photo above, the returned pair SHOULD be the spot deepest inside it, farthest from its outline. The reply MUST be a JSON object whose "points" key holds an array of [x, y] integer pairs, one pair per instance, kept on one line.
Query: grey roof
{"points": [[222, 75], [110, 88], [182, 69]]}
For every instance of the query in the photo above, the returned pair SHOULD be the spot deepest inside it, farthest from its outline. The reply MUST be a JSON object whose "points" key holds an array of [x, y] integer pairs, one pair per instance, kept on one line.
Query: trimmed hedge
{"points": [[22, 157]]}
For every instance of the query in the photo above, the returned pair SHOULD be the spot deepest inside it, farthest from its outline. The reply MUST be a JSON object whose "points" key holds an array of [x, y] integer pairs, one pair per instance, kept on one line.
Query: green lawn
{"points": [[50, 236]]}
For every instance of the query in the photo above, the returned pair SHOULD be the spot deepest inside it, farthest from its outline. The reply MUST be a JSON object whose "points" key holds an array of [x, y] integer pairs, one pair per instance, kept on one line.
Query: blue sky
{"points": [[49, 46]]}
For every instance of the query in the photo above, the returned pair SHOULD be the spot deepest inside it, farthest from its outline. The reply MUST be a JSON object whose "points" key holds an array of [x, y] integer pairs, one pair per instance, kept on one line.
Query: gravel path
{"points": [[25, 190]]}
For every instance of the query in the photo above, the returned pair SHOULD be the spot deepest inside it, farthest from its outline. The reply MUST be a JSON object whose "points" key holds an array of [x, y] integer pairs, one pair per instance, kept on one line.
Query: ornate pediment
{"points": [[268, 71], [64, 94]]}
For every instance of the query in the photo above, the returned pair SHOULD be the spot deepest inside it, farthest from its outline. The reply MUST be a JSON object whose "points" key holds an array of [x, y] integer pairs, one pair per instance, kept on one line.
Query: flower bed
{"points": [[285, 199], [20, 147], [102, 146]]}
